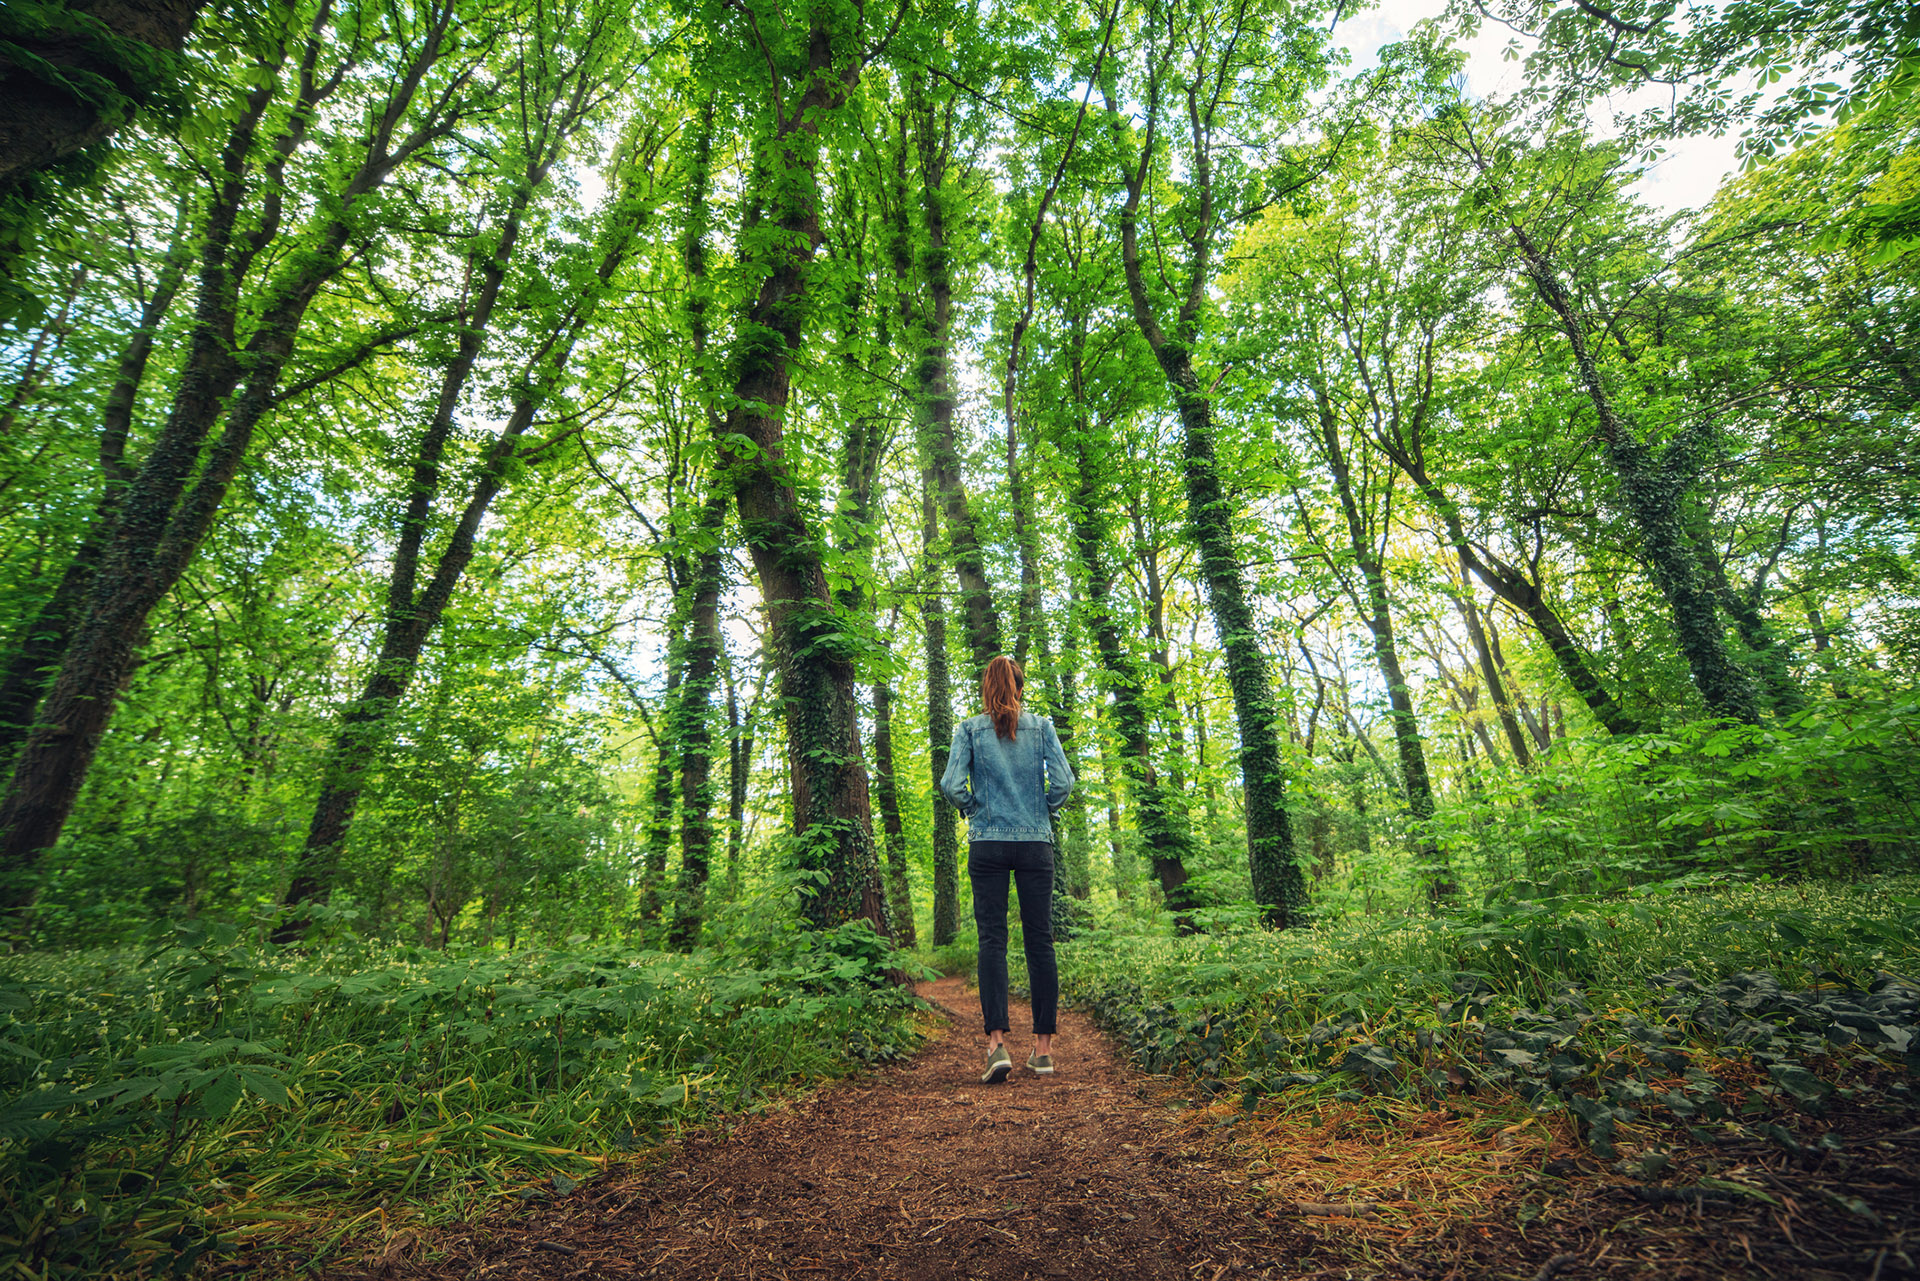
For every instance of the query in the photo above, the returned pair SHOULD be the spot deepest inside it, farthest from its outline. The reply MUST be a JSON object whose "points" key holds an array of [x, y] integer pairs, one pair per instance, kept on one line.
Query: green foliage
{"points": [[1821, 793], [1331, 264], [1596, 1005], [166, 1102]]}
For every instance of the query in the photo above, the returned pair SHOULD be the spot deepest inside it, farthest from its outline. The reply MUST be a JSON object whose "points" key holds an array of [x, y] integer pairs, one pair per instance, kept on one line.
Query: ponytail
{"points": [[1001, 686]]}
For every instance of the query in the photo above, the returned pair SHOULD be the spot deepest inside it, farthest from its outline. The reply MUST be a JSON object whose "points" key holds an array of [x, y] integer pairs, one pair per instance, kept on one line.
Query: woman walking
{"points": [[1008, 777]]}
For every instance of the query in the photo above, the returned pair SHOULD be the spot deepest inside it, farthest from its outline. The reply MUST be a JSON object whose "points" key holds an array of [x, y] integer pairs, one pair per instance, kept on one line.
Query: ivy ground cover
{"points": [[1610, 1010]]}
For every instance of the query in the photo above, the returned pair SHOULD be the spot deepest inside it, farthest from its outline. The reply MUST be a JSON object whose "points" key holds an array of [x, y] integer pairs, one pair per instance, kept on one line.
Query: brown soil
{"points": [[922, 1173], [918, 1172]]}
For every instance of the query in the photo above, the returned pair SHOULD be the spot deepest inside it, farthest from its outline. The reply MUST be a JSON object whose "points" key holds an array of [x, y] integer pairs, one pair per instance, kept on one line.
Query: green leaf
{"points": [[1797, 1081], [220, 1096], [264, 1085]]}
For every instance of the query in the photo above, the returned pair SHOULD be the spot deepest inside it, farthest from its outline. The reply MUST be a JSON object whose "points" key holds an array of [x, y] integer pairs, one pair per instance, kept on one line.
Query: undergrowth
{"points": [[207, 1092], [1605, 1007]]}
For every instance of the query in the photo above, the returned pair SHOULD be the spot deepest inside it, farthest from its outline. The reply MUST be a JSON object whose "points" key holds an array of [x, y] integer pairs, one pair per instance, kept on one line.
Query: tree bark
{"points": [[1769, 656], [1523, 593], [899, 891], [1278, 886], [172, 500], [1159, 812], [44, 118], [658, 846], [1653, 492], [30, 668], [691, 722], [1490, 671], [832, 822], [1071, 824], [413, 611], [935, 379], [933, 618]]}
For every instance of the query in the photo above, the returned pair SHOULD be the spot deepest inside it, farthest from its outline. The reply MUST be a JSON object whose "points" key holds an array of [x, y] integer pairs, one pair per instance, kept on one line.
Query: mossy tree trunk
{"points": [[1159, 812], [1278, 886], [933, 139], [1654, 491], [173, 498], [43, 641], [690, 716], [827, 777], [933, 619], [419, 586], [886, 790]]}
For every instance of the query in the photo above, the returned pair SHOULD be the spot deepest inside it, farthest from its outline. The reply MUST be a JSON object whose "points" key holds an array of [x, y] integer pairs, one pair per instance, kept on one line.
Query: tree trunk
{"points": [[29, 670], [1653, 492], [1118, 856], [1165, 698], [1769, 656], [413, 611], [933, 617], [935, 378], [1159, 812], [1029, 627], [1071, 826], [172, 501], [1433, 871], [49, 108], [1278, 886], [691, 723], [899, 892], [1523, 593], [740, 743], [832, 823], [159, 532], [1490, 671], [659, 830]]}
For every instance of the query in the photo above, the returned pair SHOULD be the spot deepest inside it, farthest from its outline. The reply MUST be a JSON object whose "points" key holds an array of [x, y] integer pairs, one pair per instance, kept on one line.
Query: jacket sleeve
{"points": [[1059, 773], [953, 783]]}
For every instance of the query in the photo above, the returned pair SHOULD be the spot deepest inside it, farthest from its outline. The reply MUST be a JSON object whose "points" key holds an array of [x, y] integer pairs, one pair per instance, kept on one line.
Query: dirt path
{"points": [[918, 1172]]}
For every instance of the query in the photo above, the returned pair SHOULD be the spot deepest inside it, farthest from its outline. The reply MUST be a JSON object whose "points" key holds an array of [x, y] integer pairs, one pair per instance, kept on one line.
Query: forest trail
{"points": [[919, 1172], [916, 1171]]}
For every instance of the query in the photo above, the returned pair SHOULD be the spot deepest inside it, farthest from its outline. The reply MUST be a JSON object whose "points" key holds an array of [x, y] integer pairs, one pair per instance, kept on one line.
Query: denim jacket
{"points": [[1008, 789]]}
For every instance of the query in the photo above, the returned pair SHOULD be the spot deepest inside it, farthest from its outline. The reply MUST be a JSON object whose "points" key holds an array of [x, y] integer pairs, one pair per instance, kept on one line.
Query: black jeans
{"points": [[1031, 865]]}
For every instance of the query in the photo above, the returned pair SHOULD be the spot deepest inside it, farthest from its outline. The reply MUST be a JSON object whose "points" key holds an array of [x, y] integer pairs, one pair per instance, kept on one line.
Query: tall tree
{"points": [[1366, 545], [934, 140], [806, 70], [562, 69], [1159, 808], [933, 625], [692, 714], [1208, 86], [1529, 199], [410, 71]]}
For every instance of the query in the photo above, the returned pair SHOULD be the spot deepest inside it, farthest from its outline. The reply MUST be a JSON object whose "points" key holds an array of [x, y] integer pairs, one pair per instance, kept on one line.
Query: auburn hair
{"points": [[1001, 686]]}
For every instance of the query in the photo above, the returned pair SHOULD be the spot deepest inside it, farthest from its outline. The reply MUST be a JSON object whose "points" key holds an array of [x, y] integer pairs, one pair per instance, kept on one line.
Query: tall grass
{"points": [[206, 1091]]}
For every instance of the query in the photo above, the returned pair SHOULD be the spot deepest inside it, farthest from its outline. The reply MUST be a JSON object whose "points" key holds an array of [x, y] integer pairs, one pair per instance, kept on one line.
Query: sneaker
{"points": [[999, 1065], [1041, 1064]]}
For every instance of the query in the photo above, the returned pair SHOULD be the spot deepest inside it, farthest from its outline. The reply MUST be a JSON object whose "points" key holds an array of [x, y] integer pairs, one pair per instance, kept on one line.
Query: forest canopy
{"points": [[513, 471]]}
